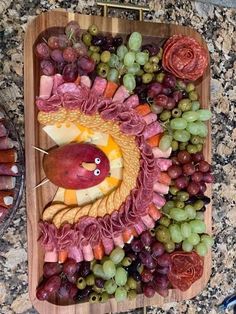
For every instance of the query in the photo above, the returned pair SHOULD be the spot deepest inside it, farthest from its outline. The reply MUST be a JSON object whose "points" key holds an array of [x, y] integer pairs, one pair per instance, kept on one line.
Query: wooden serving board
{"points": [[46, 24]]}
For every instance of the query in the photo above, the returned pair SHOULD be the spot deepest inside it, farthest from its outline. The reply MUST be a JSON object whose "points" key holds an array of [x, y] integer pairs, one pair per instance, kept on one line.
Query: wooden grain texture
{"points": [[46, 24]]}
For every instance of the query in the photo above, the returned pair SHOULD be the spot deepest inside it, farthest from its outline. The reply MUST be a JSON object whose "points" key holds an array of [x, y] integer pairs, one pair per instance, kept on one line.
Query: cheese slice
{"points": [[116, 163], [83, 197], [116, 173], [59, 196], [64, 134], [70, 197]]}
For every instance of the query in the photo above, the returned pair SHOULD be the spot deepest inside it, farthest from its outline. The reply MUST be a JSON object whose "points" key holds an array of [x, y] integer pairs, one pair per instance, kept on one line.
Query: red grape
{"points": [[162, 270], [99, 282], [42, 51], [148, 290], [169, 80], [64, 290], [181, 182], [42, 294], [170, 103], [175, 160], [204, 166], [146, 238], [81, 49], [164, 260], [69, 54], [50, 269], [73, 291], [72, 29], [147, 260], [208, 177], [86, 64], [63, 41], [202, 187], [157, 249], [166, 91], [161, 100], [188, 169], [154, 89], [47, 67], [53, 42], [161, 281], [198, 157], [52, 284], [193, 188], [70, 267], [177, 95], [57, 55], [70, 72], [174, 171], [72, 278], [184, 157], [146, 275], [84, 269], [197, 176], [136, 245]]}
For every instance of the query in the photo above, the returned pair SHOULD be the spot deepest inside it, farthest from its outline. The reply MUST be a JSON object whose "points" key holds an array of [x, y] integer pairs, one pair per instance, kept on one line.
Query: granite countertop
{"points": [[217, 25]]}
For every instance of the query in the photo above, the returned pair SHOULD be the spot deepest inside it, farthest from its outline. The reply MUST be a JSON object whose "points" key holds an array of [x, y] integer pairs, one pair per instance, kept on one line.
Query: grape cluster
{"points": [[65, 54], [190, 172]]}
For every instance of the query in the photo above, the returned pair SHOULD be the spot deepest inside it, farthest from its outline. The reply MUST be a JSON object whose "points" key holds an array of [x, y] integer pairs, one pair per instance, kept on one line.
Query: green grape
{"points": [[195, 139], [141, 57], [105, 56], [121, 276], [132, 283], [110, 286], [165, 115], [199, 147], [198, 205], [193, 95], [194, 239], [129, 59], [168, 205], [96, 289], [94, 48], [134, 69], [162, 234], [104, 259], [160, 77], [186, 246], [178, 214], [174, 145], [173, 190], [185, 229], [195, 105], [114, 61], [181, 136], [113, 75], [98, 271], [165, 142], [179, 204], [201, 249], [164, 221], [180, 85], [126, 261], [204, 114], [190, 210], [121, 51], [129, 82], [104, 297], [175, 233], [81, 283], [169, 246], [96, 57], [190, 116], [178, 124], [147, 78], [182, 196], [90, 280], [193, 128], [135, 41], [200, 216], [120, 294], [117, 255], [132, 294], [109, 269], [191, 149], [198, 226], [154, 59], [93, 297], [182, 146], [190, 87], [184, 104], [202, 128], [207, 240], [148, 67]]}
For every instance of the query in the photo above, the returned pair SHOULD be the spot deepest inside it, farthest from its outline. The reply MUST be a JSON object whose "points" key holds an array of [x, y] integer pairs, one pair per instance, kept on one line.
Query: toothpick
{"points": [[40, 150], [45, 180]]}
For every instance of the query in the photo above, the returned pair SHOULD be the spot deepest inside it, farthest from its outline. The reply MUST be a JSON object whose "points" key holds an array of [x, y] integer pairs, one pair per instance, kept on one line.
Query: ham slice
{"points": [[68, 88], [108, 245], [160, 154], [6, 143], [148, 221], [58, 80], [87, 252], [7, 183], [132, 101], [118, 240], [161, 188], [3, 131], [140, 227], [46, 86]]}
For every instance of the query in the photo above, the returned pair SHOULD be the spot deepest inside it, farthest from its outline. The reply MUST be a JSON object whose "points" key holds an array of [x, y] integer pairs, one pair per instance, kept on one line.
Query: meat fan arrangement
{"points": [[128, 164]]}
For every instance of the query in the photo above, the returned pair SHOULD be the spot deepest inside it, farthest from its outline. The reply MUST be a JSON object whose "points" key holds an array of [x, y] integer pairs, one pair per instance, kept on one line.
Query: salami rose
{"points": [[186, 268], [184, 57]]}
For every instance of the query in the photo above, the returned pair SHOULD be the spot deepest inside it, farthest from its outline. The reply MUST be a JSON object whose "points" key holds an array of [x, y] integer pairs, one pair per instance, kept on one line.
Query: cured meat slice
{"points": [[3, 131], [121, 94], [9, 155], [46, 85], [6, 198], [7, 183], [49, 105], [99, 85], [152, 129], [57, 81], [6, 143]]}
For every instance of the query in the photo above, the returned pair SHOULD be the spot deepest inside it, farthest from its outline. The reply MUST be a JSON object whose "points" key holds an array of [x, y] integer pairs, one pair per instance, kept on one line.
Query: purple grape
{"points": [[153, 50], [84, 269], [154, 90], [42, 51], [166, 91], [99, 282], [170, 103], [70, 267], [86, 64], [164, 260], [157, 249], [177, 95], [70, 72], [42, 294], [161, 281], [117, 41], [72, 278], [50, 269], [136, 275], [57, 55], [148, 290], [169, 81], [161, 100], [98, 40], [84, 293], [47, 67], [137, 245], [147, 260], [146, 238], [162, 270], [52, 284]]}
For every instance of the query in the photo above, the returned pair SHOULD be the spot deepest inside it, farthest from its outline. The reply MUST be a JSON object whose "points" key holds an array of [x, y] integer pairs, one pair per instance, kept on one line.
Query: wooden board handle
{"points": [[107, 5]]}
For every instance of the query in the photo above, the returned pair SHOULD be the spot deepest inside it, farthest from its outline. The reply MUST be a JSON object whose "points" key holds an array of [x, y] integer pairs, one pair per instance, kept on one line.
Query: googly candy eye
{"points": [[97, 172], [97, 161]]}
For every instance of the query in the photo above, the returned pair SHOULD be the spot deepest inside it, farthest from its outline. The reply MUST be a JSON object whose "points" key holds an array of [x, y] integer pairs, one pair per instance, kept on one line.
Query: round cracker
{"points": [[69, 216], [50, 211], [57, 218], [82, 211]]}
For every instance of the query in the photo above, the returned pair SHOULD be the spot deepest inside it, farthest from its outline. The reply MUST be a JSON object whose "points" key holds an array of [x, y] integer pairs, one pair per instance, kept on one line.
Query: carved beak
{"points": [[89, 166]]}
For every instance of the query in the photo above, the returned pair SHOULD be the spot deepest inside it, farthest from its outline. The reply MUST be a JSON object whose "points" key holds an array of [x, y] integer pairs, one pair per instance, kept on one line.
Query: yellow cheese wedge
{"points": [[63, 134], [70, 197]]}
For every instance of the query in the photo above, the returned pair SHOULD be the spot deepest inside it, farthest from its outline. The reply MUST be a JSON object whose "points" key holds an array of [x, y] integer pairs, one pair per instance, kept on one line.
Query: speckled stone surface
{"points": [[217, 25]]}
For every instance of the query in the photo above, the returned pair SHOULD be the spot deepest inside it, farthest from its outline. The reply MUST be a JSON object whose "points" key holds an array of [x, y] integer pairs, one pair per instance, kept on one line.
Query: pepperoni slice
{"points": [[184, 57], [186, 268]]}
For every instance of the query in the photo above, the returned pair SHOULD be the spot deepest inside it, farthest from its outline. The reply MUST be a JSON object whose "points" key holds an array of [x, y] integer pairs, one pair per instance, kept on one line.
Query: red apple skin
{"points": [[63, 166]]}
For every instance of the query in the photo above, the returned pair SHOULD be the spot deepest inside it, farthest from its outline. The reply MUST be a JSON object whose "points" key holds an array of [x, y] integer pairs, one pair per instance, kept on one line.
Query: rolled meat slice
{"points": [[150, 118], [75, 253], [9, 155], [99, 85], [51, 256], [6, 198], [152, 129], [158, 200], [163, 164], [160, 154], [57, 81], [121, 94], [161, 188], [46, 85], [86, 81], [7, 182], [6, 143], [9, 169], [3, 213], [3, 131], [87, 252]]}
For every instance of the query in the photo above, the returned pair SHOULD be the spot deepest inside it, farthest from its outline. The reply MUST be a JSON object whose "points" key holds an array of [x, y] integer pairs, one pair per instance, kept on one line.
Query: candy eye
{"points": [[96, 172], [97, 161]]}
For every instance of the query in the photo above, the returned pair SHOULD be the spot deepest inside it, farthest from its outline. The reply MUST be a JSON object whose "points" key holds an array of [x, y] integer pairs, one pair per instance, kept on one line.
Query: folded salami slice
{"points": [[6, 198], [7, 182], [7, 143], [3, 131], [9, 169], [9, 155]]}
